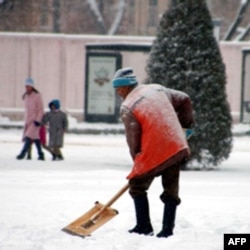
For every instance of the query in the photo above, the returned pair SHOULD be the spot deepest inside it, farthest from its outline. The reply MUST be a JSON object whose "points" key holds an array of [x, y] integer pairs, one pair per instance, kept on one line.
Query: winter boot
{"points": [[143, 224], [58, 154], [29, 152], [41, 157], [39, 150], [168, 218], [53, 157], [60, 157], [26, 146]]}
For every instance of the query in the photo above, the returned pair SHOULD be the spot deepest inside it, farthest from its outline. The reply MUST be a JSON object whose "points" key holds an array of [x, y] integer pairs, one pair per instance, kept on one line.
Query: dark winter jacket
{"points": [[154, 118], [58, 124]]}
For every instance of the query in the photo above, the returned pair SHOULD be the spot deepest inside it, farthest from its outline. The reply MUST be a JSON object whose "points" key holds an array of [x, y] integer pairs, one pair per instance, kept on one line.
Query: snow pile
{"points": [[85, 127]]}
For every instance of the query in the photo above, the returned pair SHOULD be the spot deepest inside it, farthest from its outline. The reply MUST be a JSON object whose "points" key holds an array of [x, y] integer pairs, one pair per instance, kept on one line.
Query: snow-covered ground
{"points": [[39, 198]]}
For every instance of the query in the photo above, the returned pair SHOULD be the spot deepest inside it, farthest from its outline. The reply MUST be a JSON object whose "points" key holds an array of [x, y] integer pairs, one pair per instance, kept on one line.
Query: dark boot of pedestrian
{"points": [[143, 224], [20, 156], [168, 221], [41, 157], [53, 157], [39, 150], [27, 143], [60, 157], [58, 154], [29, 152]]}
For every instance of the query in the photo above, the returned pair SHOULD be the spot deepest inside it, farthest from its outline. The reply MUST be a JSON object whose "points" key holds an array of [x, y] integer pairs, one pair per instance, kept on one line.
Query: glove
{"points": [[37, 124], [189, 133]]}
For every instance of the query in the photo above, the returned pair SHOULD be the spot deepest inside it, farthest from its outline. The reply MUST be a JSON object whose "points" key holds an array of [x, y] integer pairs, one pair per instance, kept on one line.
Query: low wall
{"points": [[57, 64]]}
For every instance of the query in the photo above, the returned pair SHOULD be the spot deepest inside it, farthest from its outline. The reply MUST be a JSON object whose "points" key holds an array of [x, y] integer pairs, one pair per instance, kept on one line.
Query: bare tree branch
{"points": [[98, 16], [244, 33], [118, 18], [233, 27]]}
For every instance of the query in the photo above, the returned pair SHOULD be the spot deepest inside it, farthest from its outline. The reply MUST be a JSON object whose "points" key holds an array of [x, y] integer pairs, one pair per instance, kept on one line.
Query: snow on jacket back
{"points": [[153, 130]]}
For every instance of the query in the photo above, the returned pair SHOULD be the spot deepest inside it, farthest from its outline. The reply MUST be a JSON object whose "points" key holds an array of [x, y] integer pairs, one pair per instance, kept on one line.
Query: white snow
{"points": [[37, 199], [95, 9], [118, 17]]}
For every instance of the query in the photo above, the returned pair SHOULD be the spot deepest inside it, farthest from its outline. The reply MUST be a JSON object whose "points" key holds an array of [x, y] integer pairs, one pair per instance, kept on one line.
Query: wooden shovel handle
{"points": [[118, 194], [109, 203]]}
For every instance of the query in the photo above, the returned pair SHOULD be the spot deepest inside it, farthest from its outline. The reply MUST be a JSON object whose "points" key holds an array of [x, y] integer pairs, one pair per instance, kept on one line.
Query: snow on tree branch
{"points": [[94, 8], [100, 20], [244, 33], [233, 27], [118, 18]]}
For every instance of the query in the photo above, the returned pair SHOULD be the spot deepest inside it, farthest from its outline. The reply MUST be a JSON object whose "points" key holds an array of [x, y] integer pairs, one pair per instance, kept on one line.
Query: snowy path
{"points": [[39, 198]]}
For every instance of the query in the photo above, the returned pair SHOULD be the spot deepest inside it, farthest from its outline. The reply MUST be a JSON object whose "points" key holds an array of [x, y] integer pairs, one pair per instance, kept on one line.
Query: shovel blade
{"points": [[84, 226]]}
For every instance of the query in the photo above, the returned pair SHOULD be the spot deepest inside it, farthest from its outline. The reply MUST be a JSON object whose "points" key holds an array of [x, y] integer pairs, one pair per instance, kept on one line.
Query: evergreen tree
{"points": [[185, 56]]}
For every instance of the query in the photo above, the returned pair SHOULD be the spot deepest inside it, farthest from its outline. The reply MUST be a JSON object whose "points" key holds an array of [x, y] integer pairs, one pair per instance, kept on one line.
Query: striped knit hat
{"points": [[124, 77]]}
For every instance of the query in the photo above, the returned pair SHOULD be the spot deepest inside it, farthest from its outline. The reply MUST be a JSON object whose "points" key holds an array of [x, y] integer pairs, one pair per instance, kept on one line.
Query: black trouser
{"points": [[26, 146], [39, 147], [170, 184]]}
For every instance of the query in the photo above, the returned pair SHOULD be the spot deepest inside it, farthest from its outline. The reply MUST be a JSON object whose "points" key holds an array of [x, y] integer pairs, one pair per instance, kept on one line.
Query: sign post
{"points": [[101, 101], [245, 87]]}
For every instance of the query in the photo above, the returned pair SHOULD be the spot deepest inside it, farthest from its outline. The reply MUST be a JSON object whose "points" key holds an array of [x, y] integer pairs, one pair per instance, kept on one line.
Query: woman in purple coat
{"points": [[32, 118]]}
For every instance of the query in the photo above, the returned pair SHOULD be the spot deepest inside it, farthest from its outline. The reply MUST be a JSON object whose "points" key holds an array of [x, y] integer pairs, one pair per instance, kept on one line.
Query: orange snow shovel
{"points": [[94, 218]]}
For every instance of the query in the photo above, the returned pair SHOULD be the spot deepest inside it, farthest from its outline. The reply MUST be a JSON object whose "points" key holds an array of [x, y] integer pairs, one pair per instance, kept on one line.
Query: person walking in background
{"points": [[43, 141], [58, 125], [154, 118], [33, 114]]}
